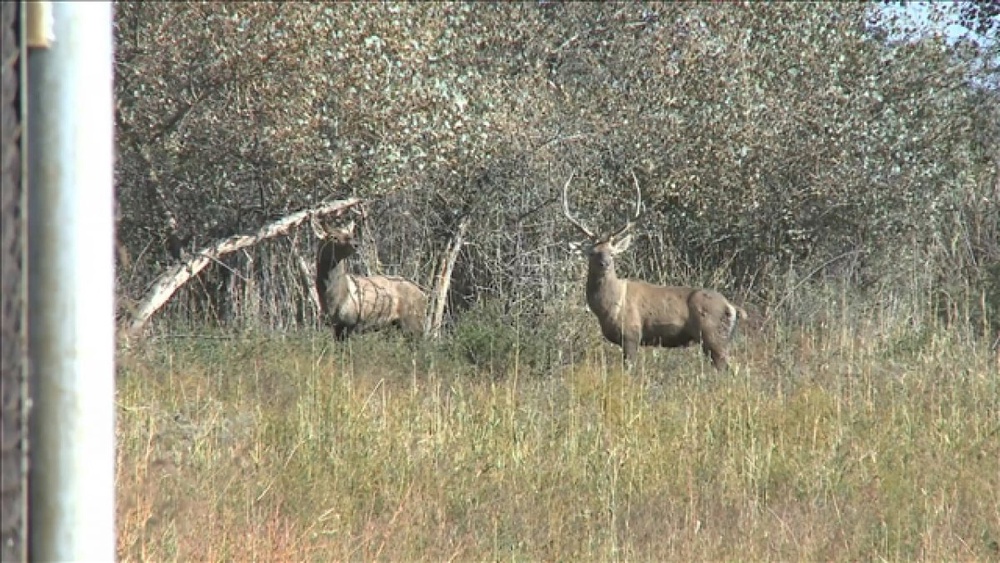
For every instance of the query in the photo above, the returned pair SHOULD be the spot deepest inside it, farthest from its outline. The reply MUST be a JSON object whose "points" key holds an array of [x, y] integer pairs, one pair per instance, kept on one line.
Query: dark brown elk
{"points": [[352, 303], [635, 313]]}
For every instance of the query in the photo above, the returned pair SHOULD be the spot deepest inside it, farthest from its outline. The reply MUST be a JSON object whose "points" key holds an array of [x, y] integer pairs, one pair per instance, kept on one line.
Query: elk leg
{"points": [[341, 332], [412, 326], [630, 349], [717, 354]]}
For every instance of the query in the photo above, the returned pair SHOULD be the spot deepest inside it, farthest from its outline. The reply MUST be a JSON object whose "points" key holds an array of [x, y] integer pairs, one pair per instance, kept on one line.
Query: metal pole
{"points": [[71, 333]]}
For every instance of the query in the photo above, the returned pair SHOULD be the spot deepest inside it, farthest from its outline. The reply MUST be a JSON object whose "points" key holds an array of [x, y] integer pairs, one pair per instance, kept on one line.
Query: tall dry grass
{"points": [[862, 433]]}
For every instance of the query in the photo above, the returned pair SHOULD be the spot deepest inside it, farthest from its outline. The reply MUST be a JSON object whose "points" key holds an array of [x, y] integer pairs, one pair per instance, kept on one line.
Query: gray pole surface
{"points": [[71, 334]]}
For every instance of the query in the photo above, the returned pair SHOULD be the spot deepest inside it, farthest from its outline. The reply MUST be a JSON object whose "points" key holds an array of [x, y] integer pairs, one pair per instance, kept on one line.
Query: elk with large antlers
{"points": [[355, 303], [635, 313]]}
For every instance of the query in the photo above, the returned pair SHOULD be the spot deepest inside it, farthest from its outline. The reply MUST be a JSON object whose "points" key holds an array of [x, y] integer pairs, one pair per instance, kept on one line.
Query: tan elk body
{"points": [[353, 303], [635, 313]]}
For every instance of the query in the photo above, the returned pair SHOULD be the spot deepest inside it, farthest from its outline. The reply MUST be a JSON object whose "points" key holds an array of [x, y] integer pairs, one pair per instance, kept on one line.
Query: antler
{"points": [[569, 215], [638, 211], [318, 229]]}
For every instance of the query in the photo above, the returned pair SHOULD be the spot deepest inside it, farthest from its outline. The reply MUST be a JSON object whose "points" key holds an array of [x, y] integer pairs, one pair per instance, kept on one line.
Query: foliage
{"points": [[785, 133]]}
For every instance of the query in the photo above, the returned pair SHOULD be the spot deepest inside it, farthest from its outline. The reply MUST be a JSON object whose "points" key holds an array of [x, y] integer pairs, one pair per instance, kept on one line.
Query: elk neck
{"points": [[604, 290], [334, 285]]}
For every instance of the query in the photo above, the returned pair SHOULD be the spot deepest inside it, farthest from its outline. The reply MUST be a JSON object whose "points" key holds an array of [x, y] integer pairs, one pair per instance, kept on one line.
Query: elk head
{"points": [[601, 250], [342, 239]]}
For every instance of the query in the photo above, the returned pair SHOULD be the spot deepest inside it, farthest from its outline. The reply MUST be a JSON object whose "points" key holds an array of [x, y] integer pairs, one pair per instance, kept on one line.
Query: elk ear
{"points": [[350, 227], [621, 245]]}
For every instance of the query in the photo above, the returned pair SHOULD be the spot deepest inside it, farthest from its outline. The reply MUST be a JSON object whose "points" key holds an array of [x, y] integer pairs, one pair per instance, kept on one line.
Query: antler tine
{"points": [[566, 212], [638, 198], [638, 210], [317, 228]]}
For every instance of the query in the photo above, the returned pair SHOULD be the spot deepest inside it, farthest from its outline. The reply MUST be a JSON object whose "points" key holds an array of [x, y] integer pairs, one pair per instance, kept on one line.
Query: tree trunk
{"points": [[432, 328]]}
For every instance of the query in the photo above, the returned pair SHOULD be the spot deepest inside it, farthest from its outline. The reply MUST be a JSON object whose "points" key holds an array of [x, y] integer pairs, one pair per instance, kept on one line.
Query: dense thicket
{"points": [[766, 138]]}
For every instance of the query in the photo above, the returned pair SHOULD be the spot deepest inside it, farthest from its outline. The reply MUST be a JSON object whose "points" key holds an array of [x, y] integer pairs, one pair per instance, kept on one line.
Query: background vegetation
{"points": [[831, 170], [766, 140]]}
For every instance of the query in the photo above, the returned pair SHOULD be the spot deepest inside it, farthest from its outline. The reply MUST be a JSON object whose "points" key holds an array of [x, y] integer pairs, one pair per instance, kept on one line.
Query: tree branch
{"points": [[173, 278]]}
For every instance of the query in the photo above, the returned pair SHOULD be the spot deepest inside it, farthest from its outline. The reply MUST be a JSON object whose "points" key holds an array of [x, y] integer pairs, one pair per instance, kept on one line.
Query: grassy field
{"points": [[871, 438]]}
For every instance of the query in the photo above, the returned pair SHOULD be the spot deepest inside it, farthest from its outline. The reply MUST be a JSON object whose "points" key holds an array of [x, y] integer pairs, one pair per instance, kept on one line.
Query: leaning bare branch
{"points": [[176, 276]]}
